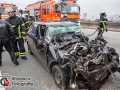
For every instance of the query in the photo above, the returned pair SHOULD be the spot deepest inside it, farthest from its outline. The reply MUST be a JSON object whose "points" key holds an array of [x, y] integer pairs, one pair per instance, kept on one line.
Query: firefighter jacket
{"points": [[102, 23], [5, 30], [17, 25], [25, 22], [28, 23], [31, 20]]}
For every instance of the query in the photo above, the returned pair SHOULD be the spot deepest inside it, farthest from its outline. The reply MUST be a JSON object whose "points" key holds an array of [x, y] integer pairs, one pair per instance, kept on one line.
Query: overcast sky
{"points": [[91, 7]]}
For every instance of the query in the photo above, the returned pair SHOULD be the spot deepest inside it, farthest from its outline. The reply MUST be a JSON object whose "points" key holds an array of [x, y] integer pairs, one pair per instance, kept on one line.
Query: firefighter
{"points": [[5, 36], [24, 20], [27, 22], [102, 26], [19, 29], [31, 20], [106, 18], [64, 18], [1, 18]]}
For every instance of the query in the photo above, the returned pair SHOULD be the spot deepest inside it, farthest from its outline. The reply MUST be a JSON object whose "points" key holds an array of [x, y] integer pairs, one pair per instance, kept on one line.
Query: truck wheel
{"points": [[60, 77], [29, 50]]}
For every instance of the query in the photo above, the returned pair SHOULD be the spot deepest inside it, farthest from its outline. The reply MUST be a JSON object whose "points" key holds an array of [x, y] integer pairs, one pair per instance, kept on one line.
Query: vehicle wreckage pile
{"points": [[90, 63]]}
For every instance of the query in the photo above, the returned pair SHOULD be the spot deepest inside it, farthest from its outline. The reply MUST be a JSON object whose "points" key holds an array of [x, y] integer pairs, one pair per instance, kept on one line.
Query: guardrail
{"points": [[112, 26]]}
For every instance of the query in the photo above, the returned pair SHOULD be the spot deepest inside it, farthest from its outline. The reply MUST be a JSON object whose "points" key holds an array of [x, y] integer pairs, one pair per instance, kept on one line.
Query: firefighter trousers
{"points": [[19, 51], [100, 36], [100, 33], [7, 44]]}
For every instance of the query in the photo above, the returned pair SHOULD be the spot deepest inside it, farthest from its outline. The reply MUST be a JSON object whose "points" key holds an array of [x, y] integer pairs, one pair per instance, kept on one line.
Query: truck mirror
{"points": [[56, 8]]}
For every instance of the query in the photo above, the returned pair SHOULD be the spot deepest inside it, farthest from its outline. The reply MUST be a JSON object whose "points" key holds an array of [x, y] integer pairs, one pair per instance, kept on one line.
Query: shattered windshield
{"points": [[70, 8], [59, 30]]}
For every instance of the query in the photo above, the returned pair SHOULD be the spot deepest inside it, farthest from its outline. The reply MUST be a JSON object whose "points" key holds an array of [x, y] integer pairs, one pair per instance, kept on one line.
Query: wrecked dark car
{"points": [[72, 59]]}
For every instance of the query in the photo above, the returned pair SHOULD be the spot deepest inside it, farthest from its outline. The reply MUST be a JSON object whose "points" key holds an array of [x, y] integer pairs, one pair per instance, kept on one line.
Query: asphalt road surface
{"points": [[33, 72]]}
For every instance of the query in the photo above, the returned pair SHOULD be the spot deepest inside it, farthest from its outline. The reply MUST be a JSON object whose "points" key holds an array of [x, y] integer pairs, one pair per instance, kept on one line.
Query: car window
{"points": [[42, 30], [37, 32], [59, 30]]}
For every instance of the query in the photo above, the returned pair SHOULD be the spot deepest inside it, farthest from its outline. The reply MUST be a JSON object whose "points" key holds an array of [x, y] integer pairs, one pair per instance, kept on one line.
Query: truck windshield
{"points": [[2, 10], [70, 8], [59, 30]]}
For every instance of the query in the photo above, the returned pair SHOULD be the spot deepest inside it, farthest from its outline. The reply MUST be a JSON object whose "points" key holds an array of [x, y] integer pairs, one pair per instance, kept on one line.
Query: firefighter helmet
{"points": [[8, 9], [102, 13]]}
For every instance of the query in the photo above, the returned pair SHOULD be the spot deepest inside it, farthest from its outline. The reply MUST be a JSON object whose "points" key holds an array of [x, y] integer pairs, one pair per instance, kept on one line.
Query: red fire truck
{"points": [[53, 10]]}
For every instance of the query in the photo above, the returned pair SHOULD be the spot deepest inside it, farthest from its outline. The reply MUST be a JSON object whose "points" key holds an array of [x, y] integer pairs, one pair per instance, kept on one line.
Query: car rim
{"points": [[58, 77]]}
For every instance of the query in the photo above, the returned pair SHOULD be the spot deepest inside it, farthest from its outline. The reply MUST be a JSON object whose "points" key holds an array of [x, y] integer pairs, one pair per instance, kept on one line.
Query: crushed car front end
{"points": [[88, 63]]}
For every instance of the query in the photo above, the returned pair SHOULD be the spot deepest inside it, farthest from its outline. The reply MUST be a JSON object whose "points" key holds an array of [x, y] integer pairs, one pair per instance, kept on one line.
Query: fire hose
{"points": [[92, 33]]}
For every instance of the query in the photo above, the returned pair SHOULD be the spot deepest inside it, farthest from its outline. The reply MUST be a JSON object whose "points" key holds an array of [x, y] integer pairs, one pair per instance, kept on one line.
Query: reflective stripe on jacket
{"points": [[102, 23]]}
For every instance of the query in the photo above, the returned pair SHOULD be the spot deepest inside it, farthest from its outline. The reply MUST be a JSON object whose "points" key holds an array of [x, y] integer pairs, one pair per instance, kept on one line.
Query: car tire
{"points": [[60, 77], [29, 50]]}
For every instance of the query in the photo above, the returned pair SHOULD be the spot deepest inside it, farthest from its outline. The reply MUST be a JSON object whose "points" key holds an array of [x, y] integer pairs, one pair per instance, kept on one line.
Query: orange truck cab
{"points": [[2, 9], [53, 10]]}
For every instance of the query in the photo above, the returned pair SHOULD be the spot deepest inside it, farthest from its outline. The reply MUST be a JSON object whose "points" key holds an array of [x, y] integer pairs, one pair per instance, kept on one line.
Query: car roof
{"points": [[56, 24]]}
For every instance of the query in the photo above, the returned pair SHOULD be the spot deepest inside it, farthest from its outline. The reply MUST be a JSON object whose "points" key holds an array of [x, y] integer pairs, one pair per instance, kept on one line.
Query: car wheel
{"points": [[60, 77], [29, 50]]}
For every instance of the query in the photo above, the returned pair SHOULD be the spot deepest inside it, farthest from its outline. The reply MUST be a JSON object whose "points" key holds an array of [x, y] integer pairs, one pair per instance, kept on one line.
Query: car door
{"points": [[31, 35], [41, 48]]}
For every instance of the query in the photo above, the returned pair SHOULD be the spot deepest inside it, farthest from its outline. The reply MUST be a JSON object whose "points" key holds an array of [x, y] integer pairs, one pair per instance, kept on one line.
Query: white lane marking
{"points": [[1, 88]]}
